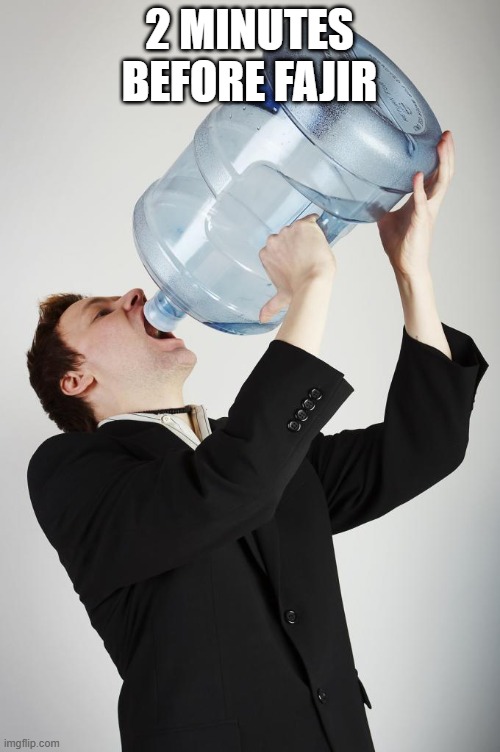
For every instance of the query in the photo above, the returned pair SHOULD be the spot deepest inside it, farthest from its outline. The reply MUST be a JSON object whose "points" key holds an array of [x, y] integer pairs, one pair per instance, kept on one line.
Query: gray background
{"points": [[420, 585]]}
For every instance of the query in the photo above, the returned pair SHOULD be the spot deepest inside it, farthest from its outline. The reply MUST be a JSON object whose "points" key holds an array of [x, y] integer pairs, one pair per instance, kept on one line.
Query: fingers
{"points": [[446, 153], [304, 220], [308, 218], [419, 194], [437, 184], [272, 307], [444, 170], [451, 151]]}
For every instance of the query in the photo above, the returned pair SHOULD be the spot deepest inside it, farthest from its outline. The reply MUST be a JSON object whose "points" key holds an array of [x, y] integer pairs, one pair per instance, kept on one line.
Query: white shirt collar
{"points": [[173, 423]]}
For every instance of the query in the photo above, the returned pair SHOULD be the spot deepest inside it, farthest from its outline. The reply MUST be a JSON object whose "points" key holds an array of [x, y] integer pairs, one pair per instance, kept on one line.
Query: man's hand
{"points": [[406, 233], [292, 257], [302, 267]]}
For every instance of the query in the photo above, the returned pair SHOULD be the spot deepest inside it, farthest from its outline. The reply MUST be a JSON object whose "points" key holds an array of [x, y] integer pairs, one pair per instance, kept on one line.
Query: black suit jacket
{"points": [[210, 574]]}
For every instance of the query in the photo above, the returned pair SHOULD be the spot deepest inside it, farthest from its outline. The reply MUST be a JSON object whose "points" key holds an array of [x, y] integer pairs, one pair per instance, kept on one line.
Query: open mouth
{"points": [[151, 331]]}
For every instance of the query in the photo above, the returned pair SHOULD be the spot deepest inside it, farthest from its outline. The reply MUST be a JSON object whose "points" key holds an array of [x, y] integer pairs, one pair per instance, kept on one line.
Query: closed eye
{"points": [[101, 312]]}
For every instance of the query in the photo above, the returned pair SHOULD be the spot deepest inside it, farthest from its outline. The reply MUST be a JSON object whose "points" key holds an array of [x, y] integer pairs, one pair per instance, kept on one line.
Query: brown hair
{"points": [[49, 358]]}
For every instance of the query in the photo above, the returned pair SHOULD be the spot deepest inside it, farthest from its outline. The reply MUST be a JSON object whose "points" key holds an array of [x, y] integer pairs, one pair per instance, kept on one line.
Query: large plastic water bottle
{"points": [[252, 169]]}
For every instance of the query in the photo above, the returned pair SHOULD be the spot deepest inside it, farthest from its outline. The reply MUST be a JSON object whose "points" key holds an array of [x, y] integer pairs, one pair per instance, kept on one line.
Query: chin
{"points": [[184, 353]]}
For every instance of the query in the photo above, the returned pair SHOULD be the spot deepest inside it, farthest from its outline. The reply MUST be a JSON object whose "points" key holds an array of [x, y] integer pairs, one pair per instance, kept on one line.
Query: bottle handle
{"points": [[333, 227]]}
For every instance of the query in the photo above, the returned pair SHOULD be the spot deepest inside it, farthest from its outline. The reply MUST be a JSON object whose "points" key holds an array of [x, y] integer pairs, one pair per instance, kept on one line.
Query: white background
{"points": [[420, 585]]}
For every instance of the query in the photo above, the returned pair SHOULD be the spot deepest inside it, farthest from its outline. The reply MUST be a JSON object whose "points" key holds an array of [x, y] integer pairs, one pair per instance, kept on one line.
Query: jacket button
{"points": [[321, 695], [308, 404], [301, 415], [291, 616], [293, 425], [315, 394]]}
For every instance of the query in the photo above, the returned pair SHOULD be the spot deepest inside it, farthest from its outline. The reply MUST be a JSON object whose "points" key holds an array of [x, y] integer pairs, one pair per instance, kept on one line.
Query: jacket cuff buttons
{"points": [[308, 403]]}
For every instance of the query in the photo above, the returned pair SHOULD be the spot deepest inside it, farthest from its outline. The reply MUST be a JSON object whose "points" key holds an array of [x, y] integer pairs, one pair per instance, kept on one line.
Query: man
{"points": [[203, 553]]}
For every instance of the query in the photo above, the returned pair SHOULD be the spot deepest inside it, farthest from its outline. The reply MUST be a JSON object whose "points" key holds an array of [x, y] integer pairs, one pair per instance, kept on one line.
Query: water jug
{"points": [[252, 169]]}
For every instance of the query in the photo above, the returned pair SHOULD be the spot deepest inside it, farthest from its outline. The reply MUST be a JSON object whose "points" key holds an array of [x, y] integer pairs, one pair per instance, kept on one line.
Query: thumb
{"points": [[279, 302]]}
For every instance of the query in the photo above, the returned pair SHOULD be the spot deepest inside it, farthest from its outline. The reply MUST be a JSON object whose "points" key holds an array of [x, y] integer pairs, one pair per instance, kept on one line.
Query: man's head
{"points": [[95, 357]]}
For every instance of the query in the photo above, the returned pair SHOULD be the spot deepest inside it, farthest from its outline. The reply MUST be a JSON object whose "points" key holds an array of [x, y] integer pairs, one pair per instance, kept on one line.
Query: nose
{"points": [[132, 298]]}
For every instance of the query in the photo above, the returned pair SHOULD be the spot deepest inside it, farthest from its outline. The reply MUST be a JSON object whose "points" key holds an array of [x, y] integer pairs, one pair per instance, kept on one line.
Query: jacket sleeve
{"points": [[115, 518], [368, 472]]}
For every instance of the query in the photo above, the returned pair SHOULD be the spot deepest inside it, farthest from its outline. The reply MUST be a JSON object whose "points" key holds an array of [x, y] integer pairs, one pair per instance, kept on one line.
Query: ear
{"points": [[74, 383]]}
